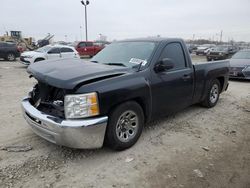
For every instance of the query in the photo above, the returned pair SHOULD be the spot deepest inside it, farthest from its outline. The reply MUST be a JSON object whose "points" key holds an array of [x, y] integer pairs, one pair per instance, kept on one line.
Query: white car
{"points": [[47, 53]]}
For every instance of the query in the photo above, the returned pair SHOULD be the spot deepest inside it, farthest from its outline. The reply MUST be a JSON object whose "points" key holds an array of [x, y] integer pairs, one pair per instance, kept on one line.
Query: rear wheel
{"points": [[125, 126], [212, 94], [11, 57]]}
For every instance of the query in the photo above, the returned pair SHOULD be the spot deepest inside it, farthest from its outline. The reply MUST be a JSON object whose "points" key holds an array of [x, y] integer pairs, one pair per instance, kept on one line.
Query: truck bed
{"points": [[205, 71]]}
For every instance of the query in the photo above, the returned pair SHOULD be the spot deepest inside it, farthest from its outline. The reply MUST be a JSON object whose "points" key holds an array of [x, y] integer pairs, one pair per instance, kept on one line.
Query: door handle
{"points": [[186, 77]]}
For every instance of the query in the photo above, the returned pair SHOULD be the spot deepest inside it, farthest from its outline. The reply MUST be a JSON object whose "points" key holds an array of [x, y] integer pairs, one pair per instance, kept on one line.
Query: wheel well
{"points": [[39, 59], [143, 106], [222, 81], [138, 101]]}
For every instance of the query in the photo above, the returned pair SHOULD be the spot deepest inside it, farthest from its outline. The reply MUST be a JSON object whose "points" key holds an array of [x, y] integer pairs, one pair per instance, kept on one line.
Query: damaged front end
{"points": [[48, 99], [43, 110]]}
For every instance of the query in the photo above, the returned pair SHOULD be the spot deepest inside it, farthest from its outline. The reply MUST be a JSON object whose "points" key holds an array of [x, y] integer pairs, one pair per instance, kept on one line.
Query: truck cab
{"points": [[82, 104]]}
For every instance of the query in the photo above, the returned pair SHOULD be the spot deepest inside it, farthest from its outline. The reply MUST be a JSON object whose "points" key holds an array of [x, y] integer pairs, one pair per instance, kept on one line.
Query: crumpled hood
{"points": [[239, 62], [68, 73]]}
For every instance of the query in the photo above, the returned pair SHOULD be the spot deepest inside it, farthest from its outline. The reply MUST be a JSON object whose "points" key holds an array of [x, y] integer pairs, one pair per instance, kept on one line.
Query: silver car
{"points": [[240, 65]]}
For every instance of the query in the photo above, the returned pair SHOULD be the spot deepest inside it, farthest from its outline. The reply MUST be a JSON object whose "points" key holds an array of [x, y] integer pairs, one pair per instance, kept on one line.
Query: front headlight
{"points": [[220, 53], [81, 106]]}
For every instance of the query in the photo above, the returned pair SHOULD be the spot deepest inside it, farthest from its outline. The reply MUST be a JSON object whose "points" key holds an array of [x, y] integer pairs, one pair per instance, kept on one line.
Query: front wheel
{"points": [[212, 94], [125, 126]]}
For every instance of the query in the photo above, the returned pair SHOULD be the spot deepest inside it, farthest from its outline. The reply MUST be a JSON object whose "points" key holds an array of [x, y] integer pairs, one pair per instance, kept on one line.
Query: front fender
{"points": [[115, 91]]}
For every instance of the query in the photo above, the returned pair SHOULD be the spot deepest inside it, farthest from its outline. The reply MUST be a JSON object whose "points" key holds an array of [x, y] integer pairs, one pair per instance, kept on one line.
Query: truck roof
{"points": [[152, 39]]}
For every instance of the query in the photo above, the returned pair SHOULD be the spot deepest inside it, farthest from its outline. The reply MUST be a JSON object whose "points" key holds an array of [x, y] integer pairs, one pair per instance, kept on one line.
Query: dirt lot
{"points": [[197, 147]]}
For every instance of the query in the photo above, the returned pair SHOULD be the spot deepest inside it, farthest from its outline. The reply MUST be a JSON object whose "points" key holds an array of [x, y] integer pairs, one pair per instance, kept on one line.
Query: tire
{"points": [[38, 59], [125, 126], [10, 56], [212, 94]]}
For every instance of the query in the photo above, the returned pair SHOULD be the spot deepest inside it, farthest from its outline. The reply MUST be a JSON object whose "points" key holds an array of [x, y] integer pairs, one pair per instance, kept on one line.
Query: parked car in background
{"points": [[9, 51], [88, 48], [191, 47], [240, 65], [221, 52], [49, 52], [102, 43], [204, 49], [113, 95], [218, 53], [233, 49]]}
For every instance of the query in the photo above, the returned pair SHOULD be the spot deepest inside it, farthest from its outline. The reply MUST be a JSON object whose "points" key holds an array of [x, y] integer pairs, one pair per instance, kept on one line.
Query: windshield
{"points": [[43, 49], [127, 54], [242, 55]]}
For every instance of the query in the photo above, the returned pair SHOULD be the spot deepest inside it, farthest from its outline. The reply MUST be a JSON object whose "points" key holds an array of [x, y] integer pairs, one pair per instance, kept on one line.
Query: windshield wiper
{"points": [[117, 64]]}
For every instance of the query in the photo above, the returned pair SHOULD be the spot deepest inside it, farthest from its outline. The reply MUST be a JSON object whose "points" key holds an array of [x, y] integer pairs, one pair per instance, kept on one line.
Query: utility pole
{"points": [[81, 32], [85, 4], [221, 33]]}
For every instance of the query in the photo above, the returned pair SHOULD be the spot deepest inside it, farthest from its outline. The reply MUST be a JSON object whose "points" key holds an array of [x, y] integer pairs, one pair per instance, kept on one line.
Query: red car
{"points": [[88, 48]]}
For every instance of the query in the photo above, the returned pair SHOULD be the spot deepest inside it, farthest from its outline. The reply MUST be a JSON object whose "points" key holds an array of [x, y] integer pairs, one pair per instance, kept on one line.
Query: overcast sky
{"points": [[120, 19]]}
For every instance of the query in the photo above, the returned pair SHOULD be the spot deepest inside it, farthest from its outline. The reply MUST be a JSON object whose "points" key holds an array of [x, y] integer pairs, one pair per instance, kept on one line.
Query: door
{"points": [[67, 53], [81, 48], [90, 48], [172, 89], [54, 53]]}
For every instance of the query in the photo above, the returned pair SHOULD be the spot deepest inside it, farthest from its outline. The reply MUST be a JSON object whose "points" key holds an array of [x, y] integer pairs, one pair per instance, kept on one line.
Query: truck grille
{"points": [[48, 99]]}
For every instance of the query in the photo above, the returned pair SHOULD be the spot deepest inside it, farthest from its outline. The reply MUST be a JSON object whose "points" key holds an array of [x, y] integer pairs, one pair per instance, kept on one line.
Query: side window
{"points": [[66, 50], [174, 52], [89, 44], [82, 45], [54, 51]]}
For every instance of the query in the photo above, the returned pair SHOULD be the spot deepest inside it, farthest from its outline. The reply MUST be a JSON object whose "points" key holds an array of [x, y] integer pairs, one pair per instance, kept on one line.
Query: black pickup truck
{"points": [[109, 99]]}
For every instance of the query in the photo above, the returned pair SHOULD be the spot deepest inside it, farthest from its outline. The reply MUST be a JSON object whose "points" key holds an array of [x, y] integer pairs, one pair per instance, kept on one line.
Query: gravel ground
{"points": [[197, 147]]}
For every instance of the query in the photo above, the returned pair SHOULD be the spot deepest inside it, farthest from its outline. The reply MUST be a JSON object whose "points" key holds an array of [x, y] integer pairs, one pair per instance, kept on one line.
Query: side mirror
{"points": [[163, 65]]}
